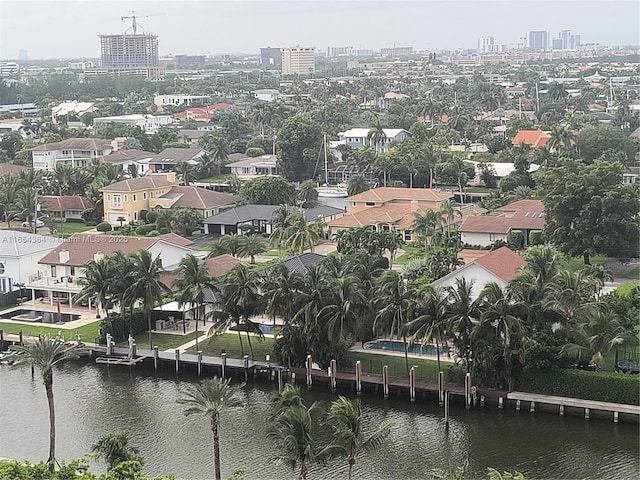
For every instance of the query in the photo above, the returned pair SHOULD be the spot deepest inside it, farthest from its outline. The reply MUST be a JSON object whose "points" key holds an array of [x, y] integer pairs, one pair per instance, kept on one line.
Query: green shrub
{"points": [[143, 215], [145, 229], [104, 227], [516, 240], [535, 237], [601, 386], [254, 152], [152, 216], [117, 324], [153, 233]]}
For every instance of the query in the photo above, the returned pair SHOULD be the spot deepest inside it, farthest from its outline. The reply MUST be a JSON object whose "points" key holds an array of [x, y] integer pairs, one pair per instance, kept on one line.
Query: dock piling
{"points": [[467, 390], [156, 357], [109, 344], [199, 363], [446, 411], [500, 403], [224, 364], [482, 400], [586, 413], [21, 339], [309, 364], [177, 360], [280, 380], [532, 408], [412, 384], [440, 388], [517, 405], [615, 417], [2, 337], [562, 410], [358, 378], [385, 381], [333, 366], [246, 367]]}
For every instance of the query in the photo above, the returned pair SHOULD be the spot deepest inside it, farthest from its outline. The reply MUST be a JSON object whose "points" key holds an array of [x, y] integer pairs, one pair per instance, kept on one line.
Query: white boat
{"points": [[326, 190]]}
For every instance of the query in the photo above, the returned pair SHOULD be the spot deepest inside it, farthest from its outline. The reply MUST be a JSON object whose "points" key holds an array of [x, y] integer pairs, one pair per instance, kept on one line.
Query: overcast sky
{"points": [[61, 29]]}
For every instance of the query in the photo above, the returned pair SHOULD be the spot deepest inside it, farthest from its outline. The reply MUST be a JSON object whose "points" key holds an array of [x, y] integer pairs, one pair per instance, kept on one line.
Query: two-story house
{"points": [[155, 191], [76, 152], [360, 137], [252, 167], [59, 270], [71, 113], [65, 207], [389, 208], [148, 123], [166, 160]]}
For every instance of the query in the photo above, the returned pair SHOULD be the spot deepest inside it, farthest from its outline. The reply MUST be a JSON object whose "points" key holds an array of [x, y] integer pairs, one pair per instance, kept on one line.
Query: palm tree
{"points": [[218, 149], [395, 303], [210, 397], [26, 203], [95, 283], [384, 163], [570, 295], [349, 435], [463, 311], [186, 172], [9, 188], [241, 285], [252, 246], [449, 211], [45, 354], [147, 286], [346, 305], [280, 221], [280, 287], [425, 224], [193, 278], [376, 136], [501, 312], [296, 430], [521, 192], [114, 448], [307, 194], [230, 244], [432, 323], [300, 233]]}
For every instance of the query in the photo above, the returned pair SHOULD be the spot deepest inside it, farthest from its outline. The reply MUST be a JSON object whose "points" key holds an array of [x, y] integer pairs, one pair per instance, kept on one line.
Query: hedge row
{"points": [[118, 325], [601, 386]]}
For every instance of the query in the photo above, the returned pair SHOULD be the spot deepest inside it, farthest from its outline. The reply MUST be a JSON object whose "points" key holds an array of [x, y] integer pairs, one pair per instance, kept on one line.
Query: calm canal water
{"points": [[91, 400]]}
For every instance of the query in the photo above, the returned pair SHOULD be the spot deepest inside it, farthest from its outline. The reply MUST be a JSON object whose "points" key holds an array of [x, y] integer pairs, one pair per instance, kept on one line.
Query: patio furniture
{"points": [[160, 324]]}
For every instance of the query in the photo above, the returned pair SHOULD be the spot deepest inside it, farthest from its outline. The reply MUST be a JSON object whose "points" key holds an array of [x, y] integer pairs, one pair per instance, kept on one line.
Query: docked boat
{"points": [[326, 190], [7, 356]]}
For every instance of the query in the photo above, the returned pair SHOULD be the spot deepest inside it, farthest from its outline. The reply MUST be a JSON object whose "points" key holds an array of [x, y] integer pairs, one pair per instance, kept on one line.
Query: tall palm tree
{"points": [[218, 149], [384, 163], [449, 211], [95, 283], [296, 431], [431, 324], [9, 186], [308, 194], [426, 224], [357, 184], [210, 397], [301, 234], [396, 304], [345, 308], [45, 354], [114, 448], [570, 296], [241, 285], [252, 246], [463, 313], [230, 244], [186, 172], [376, 136], [193, 278], [350, 437], [280, 286], [147, 286]]}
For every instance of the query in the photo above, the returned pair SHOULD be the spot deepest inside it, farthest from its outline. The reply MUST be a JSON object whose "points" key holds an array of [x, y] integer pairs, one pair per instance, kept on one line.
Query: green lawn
{"points": [[409, 253], [229, 343], [163, 341], [634, 274], [576, 263], [627, 287], [65, 229], [426, 370], [88, 332]]}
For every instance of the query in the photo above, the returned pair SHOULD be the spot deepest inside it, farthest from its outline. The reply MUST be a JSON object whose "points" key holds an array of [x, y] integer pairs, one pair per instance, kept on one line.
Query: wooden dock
{"points": [[587, 406]]}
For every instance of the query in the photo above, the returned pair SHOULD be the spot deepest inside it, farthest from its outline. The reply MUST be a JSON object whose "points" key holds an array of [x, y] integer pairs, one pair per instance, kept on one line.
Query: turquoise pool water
{"points": [[398, 346]]}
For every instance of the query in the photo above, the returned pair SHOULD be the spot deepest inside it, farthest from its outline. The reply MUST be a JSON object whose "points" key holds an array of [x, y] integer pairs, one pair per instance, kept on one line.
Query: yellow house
{"points": [[156, 191], [389, 208]]}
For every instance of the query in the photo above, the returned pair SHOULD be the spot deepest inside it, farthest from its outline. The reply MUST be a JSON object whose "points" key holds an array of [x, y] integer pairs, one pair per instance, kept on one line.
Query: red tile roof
{"points": [[12, 168], [534, 138], [202, 113], [386, 194], [503, 263], [64, 203], [525, 214]]}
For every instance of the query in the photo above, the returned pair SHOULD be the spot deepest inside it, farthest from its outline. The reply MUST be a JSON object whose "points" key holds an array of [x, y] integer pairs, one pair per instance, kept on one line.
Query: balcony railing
{"points": [[38, 280]]}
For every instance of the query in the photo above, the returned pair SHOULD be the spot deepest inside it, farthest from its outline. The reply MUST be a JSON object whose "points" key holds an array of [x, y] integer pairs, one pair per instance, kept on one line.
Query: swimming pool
{"points": [[398, 346], [36, 316]]}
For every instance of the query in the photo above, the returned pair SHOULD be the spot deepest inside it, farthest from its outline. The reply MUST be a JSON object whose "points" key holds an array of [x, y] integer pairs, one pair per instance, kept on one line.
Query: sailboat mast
{"points": [[326, 167]]}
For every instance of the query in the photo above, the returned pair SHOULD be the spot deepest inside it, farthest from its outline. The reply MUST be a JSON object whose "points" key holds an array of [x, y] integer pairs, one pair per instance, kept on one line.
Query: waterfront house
{"points": [[129, 197], [57, 276], [65, 207], [249, 168], [75, 152], [166, 160], [359, 138]]}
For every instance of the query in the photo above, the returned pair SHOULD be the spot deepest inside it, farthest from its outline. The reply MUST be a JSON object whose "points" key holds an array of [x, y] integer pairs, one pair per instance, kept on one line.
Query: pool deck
{"points": [[86, 316]]}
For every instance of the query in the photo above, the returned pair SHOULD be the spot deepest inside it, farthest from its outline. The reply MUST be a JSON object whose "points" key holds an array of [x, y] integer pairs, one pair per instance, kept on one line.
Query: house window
{"points": [[53, 271], [135, 215], [72, 271], [354, 204], [2, 268], [370, 204], [407, 235], [135, 197], [494, 236], [144, 195], [126, 198], [117, 201], [108, 198]]}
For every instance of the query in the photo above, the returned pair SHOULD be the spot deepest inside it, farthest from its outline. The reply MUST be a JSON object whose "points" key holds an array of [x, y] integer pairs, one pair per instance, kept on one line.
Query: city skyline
{"points": [[197, 27]]}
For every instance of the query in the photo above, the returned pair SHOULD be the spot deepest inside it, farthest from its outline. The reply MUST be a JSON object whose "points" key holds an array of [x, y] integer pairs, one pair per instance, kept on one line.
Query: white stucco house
{"points": [[58, 271], [499, 266], [253, 167], [148, 123], [19, 256]]}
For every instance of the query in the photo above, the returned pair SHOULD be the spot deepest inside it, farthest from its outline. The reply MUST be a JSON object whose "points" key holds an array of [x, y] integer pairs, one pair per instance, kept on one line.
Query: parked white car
{"points": [[39, 223]]}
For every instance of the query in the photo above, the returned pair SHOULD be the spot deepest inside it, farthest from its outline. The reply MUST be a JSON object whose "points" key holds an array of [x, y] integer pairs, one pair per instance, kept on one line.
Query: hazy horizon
{"points": [[49, 29]]}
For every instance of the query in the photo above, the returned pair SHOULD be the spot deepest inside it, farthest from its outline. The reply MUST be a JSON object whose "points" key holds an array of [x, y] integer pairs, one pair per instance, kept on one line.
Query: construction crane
{"points": [[133, 17]]}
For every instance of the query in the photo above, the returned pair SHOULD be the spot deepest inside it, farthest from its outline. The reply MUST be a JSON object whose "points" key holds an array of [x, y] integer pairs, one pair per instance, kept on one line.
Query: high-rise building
{"points": [[565, 36], [397, 51], [22, 55], [574, 42], [270, 56], [340, 51], [130, 54], [486, 45], [298, 60], [538, 40], [557, 44]]}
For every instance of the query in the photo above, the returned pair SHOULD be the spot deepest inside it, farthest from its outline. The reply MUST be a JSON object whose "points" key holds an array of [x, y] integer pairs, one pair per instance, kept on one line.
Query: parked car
{"points": [[39, 223]]}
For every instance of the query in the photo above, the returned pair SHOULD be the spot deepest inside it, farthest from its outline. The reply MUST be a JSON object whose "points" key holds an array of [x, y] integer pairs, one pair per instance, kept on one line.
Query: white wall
{"points": [[482, 239], [18, 269], [471, 272], [170, 254]]}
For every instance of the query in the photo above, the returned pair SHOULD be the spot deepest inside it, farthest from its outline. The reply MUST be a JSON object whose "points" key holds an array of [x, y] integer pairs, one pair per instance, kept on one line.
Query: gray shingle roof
{"points": [[321, 211], [242, 214], [17, 244], [300, 263]]}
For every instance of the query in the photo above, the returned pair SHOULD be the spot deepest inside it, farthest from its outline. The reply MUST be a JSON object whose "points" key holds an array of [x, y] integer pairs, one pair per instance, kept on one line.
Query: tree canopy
{"points": [[298, 145], [268, 191]]}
